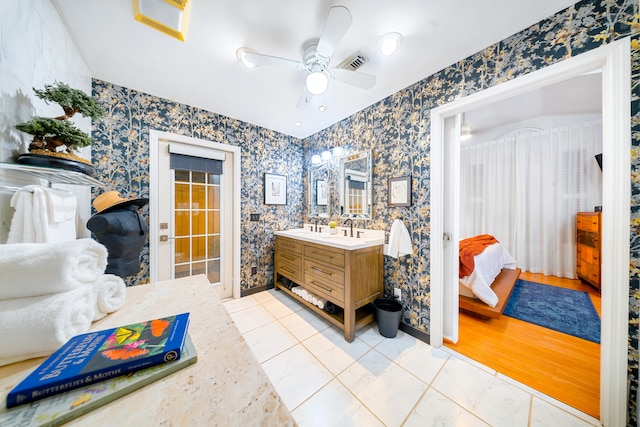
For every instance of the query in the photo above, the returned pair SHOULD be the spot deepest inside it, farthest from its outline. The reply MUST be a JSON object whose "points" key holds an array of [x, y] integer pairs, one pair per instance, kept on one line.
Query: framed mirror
{"points": [[319, 192], [356, 186]]}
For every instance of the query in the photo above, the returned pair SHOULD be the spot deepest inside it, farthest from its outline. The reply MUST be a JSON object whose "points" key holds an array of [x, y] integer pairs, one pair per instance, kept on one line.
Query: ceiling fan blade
{"points": [[273, 61], [353, 78], [337, 23]]}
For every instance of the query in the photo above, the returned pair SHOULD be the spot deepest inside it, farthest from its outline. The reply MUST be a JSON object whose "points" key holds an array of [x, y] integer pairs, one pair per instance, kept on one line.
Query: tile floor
{"points": [[377, 381]]}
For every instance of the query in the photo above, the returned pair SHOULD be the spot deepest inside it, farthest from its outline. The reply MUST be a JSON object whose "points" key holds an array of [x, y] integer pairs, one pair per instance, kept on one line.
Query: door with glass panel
{"points": [[195, 214], [196, 234]]}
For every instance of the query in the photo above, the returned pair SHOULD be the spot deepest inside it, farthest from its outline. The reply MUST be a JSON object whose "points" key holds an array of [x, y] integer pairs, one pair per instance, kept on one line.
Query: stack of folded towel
{"points": [[50, 292], [309, 297]]}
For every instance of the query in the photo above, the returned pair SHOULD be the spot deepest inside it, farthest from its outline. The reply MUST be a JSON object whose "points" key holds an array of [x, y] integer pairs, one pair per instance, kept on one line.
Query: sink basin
{"points": [[370, 238]]}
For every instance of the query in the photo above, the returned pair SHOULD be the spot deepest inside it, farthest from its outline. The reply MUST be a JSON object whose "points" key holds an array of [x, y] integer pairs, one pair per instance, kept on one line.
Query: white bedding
{"points": [[487, 267]]}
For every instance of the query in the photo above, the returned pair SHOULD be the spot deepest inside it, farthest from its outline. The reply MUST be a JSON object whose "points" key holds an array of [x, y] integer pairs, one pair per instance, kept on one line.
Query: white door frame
{"points": [[154, 226], [614, 60]]}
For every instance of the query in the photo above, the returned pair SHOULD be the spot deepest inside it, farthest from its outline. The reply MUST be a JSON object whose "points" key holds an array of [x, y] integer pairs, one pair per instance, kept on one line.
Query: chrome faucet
{"points": [[350, 226], [315, 221]]}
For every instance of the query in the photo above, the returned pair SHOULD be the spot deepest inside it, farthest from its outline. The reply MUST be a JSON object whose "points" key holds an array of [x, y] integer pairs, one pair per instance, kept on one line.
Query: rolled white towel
{"points": [[109, 294], [31, 269], [321, 303], [37, 326]]}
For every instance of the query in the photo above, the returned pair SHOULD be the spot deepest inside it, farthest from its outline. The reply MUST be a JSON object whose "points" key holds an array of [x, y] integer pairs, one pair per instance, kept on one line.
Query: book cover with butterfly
{"points": [[100, 355]]}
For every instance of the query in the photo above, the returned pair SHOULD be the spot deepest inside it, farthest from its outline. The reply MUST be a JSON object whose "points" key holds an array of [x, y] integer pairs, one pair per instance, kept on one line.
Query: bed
{"points": [[488, 274]]}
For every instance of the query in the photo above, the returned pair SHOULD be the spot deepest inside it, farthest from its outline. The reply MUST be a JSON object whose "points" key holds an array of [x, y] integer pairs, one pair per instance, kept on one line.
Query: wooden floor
{"points": [[559, 365]]}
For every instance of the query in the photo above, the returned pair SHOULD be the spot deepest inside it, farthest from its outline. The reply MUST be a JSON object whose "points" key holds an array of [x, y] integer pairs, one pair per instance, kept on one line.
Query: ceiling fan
{"points": [[316, 57]]}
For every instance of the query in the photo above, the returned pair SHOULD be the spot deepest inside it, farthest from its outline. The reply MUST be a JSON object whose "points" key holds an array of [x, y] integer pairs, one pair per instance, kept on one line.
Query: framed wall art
{"points": [[399, 191], [275, 189], [322, 196]]}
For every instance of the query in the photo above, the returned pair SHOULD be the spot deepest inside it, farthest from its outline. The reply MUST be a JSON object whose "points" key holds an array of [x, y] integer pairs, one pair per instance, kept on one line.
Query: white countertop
{"points": [[367, 238], [225, 387]]}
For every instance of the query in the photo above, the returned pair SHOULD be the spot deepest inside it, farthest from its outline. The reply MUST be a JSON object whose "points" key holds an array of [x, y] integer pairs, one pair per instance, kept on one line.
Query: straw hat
{"points": [[110, 200]]}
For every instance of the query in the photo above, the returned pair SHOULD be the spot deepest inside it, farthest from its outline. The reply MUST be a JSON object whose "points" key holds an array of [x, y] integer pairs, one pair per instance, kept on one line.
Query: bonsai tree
{"points": [[51, 133]]}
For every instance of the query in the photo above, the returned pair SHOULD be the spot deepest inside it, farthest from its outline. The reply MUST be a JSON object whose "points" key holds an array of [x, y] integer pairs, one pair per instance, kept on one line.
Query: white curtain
{"points": [[525, 188]]}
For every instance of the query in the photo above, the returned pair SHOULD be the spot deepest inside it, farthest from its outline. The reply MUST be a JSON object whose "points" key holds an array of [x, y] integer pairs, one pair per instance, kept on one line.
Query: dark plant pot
{"points": [[55, 162]]}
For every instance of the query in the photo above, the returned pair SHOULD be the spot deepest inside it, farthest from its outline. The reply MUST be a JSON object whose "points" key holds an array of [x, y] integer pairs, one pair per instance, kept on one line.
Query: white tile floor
{"points": [[377, 381]]}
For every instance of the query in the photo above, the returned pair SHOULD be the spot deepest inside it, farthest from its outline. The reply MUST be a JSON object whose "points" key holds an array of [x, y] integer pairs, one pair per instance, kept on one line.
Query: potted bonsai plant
{"points": [[56, 139]]}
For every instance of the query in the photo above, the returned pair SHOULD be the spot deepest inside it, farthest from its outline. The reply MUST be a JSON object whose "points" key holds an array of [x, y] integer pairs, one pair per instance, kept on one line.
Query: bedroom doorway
{"points": [[614, 61], [528, 168]]}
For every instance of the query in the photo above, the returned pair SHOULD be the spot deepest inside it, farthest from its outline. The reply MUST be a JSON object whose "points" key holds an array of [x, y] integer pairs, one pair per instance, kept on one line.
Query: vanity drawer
{"points": [[328, 290], [289, 265], [325, 273], [291, 245], [326, 254]]}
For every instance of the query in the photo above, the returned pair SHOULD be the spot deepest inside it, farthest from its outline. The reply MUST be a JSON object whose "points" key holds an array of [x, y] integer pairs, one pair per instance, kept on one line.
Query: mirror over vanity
{"points": [[320, 193], [356, 194], [342, 186]]}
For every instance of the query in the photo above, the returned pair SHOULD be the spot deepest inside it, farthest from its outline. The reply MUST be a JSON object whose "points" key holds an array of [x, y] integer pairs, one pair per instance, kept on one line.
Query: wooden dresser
{"points": [[350, 279], [588, 254]]}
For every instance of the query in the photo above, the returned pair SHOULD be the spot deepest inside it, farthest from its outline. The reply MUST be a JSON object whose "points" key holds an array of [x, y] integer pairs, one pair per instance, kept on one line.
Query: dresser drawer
{"points": [[325, 254], [588, 222], [588, 254], [291, 245]]}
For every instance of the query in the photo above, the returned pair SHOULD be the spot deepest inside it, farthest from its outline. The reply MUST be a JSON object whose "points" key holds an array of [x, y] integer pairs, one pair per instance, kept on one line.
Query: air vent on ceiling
{"points": [[353, 62]]}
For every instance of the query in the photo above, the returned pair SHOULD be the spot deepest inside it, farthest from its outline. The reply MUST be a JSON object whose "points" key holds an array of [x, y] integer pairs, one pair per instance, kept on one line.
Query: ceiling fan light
{"points": [[317, 83], [389, 43]]}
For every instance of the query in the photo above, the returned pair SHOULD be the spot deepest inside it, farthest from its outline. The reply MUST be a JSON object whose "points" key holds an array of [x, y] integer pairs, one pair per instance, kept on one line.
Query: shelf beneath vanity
{"points": [[345, 271]]}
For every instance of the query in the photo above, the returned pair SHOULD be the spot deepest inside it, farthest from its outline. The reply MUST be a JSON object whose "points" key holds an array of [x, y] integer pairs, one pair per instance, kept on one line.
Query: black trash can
{"points": [[388, 314]]}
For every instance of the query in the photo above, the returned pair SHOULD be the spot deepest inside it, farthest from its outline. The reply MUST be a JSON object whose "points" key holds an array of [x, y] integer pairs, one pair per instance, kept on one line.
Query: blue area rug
{"points": [[563, 310]]}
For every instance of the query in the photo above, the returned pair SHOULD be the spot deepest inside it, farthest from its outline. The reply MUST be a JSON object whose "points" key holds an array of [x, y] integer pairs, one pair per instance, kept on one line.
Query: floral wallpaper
{"points": [[121, 158], [396, 129]]}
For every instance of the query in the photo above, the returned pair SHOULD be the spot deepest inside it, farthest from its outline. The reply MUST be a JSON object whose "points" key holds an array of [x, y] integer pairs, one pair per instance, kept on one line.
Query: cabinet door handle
{"points": [[320, 286], [328, 273], [286, 270], [287, 257]]}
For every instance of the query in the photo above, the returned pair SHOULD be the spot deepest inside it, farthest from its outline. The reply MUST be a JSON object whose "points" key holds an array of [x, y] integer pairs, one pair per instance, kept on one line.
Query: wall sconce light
{"points": [[327, 156], [389, 43], [167, 16]]}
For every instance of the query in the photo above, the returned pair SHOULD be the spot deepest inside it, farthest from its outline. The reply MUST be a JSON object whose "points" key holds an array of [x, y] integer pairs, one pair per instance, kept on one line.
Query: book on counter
{"points": [[62, 407], [97, 356]]}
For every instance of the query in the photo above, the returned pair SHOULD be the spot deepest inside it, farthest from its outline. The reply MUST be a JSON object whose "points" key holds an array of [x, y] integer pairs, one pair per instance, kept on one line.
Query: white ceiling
{"points": [[203, 71]]}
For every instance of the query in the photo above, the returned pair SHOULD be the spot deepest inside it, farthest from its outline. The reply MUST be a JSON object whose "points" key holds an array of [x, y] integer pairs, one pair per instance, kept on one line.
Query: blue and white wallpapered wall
{"points": [[121, 159], [396, 129]]}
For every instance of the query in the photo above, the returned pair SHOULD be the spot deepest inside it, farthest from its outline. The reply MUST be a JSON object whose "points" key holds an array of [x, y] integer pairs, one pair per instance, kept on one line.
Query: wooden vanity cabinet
{"points": [[350, 279]]}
